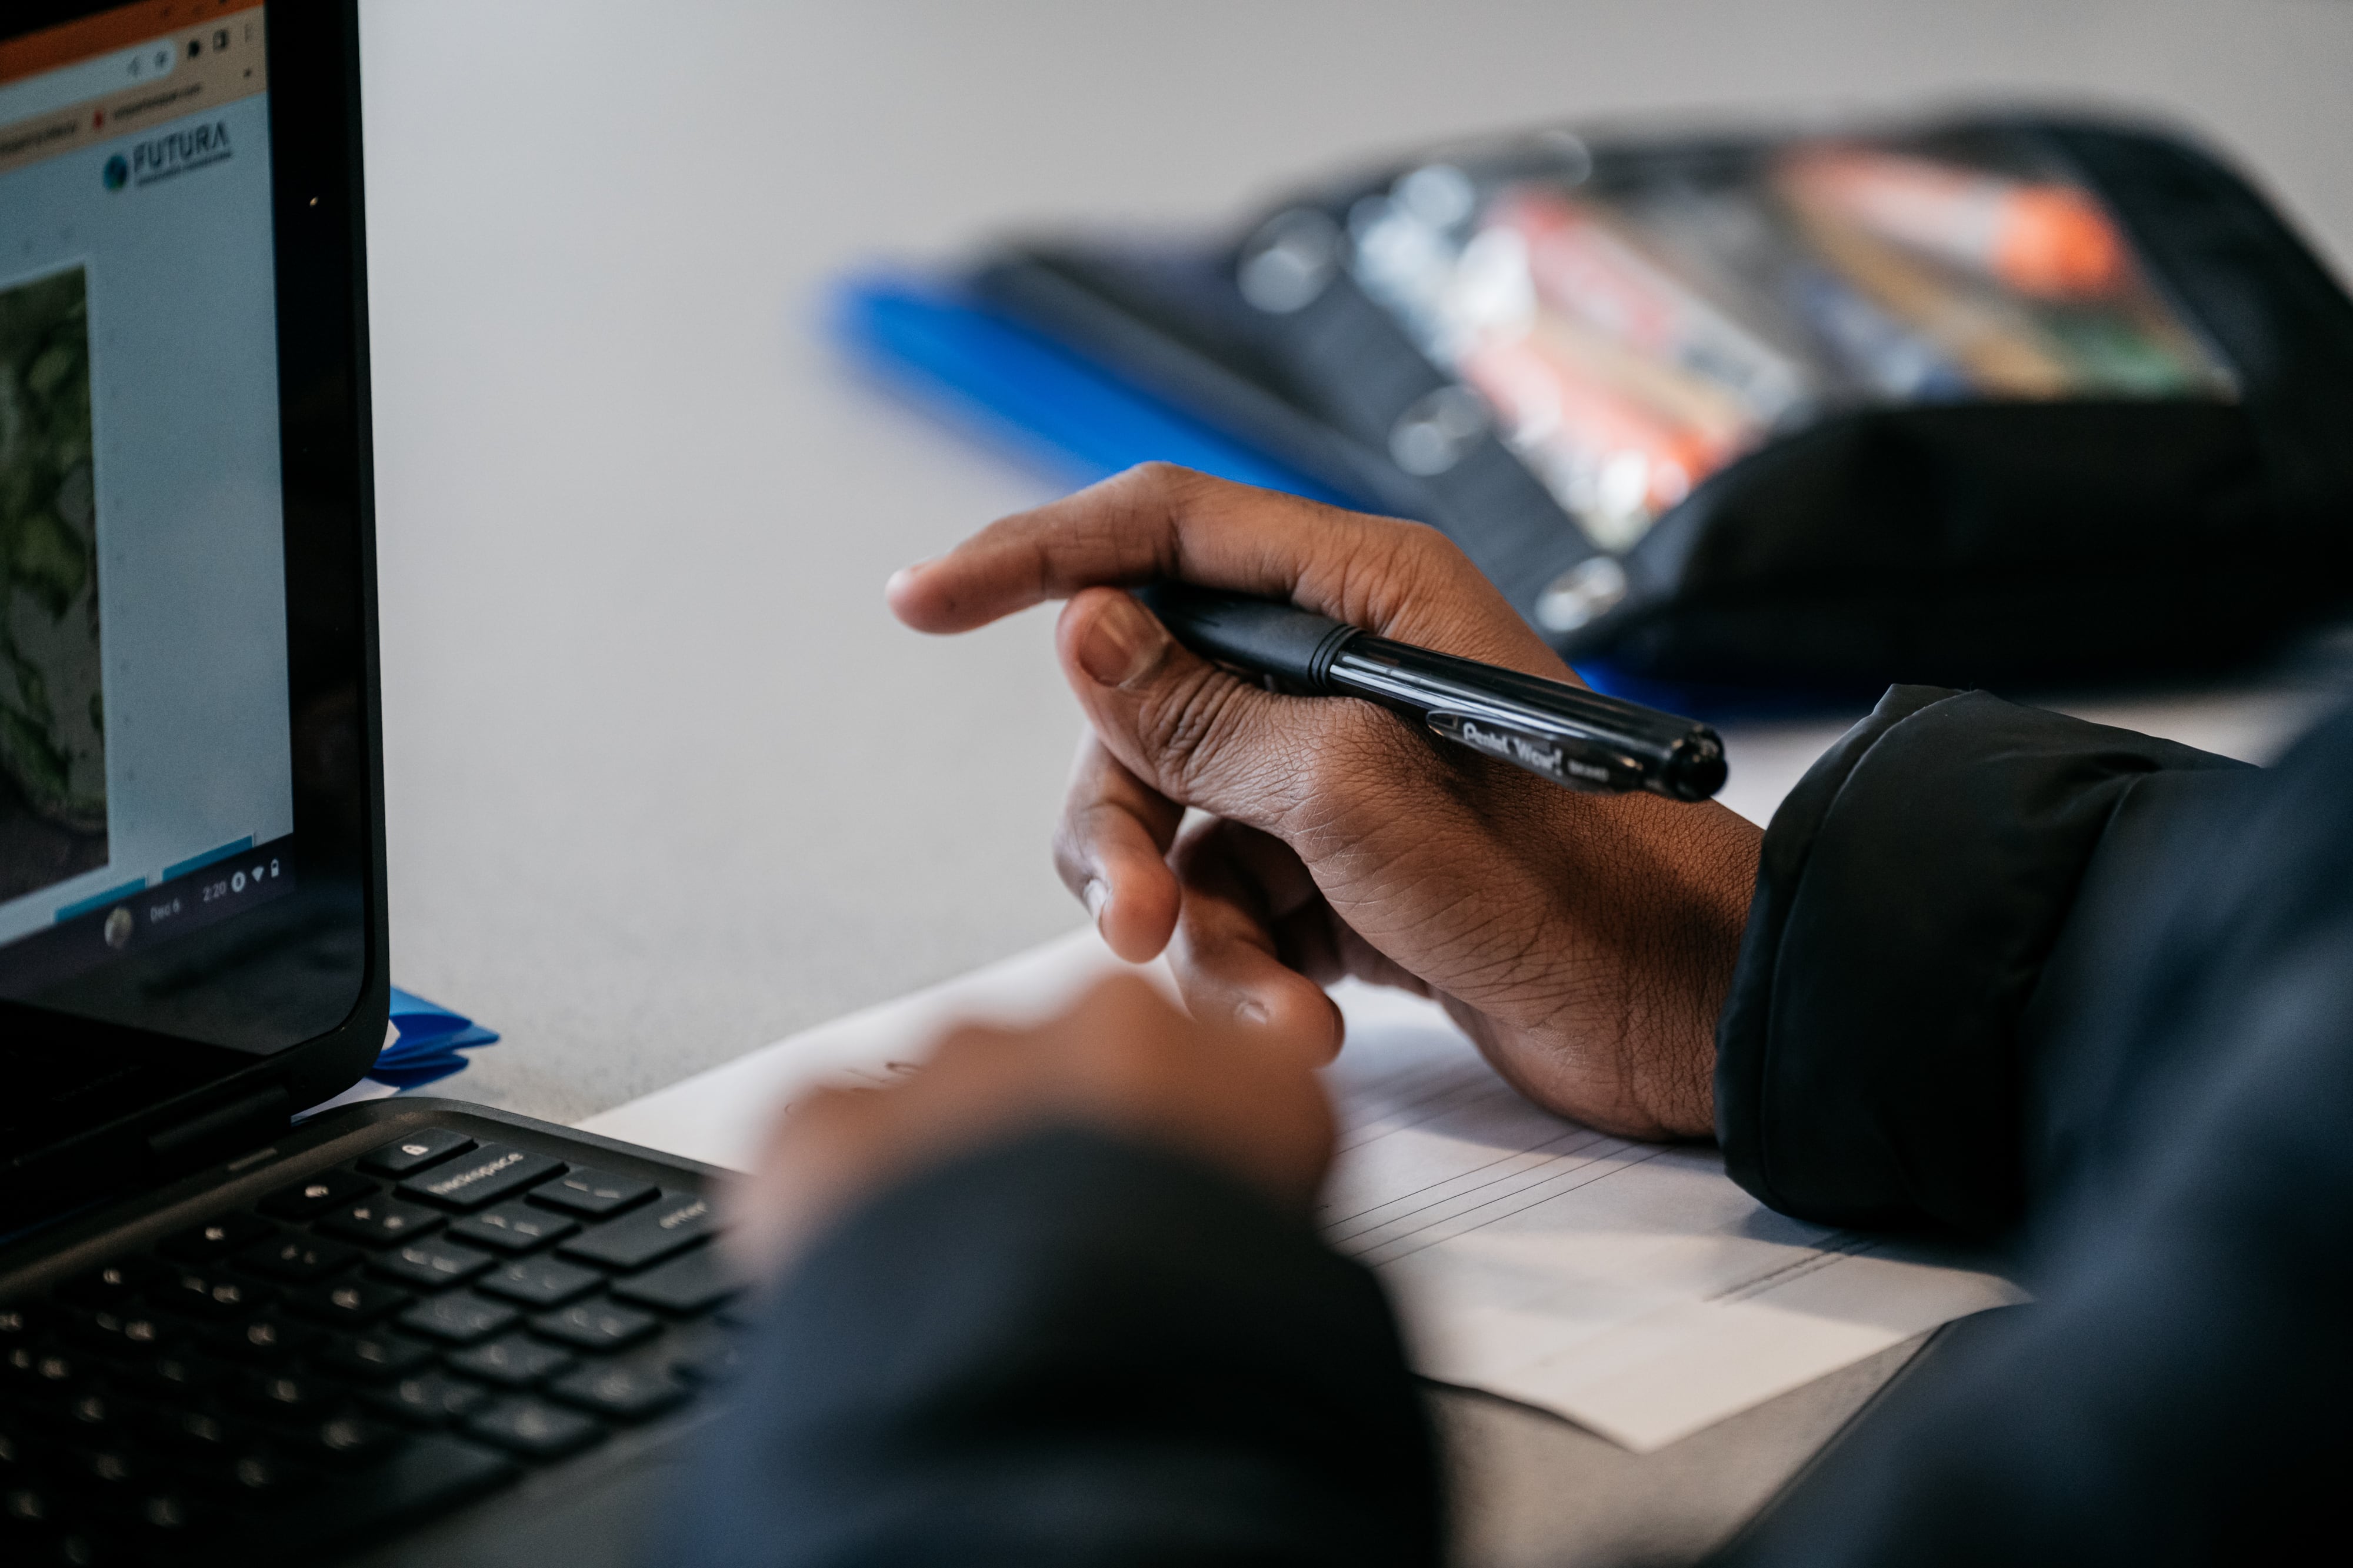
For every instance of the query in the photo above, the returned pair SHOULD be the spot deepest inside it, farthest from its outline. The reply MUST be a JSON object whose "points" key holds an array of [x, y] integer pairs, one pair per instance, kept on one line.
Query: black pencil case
{"points": [[2000, 400]]}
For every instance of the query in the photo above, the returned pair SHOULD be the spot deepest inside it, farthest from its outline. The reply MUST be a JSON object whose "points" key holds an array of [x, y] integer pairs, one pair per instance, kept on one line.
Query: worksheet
{"points": [[1631, 1288]]}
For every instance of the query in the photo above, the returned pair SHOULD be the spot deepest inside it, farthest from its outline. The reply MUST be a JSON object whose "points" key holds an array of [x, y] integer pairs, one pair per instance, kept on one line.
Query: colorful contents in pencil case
{"points": [[1616, 383], [2025, 285], [2044, 240], [426, 1043], [1634, 332]]}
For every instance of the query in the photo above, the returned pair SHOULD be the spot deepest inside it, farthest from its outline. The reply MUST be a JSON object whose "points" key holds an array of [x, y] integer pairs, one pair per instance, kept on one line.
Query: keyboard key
{"points": [[110, 1470], [314, 1196], [19, 1451], [423, 1476], [257, 1339], [598, 1327], [285, 1393], [127, 1331], [93, 1413], [592, 1192], [253, 1477], [415, 1152], [372, 1356], [622, 1391], [31, 1506], [351, 1302], [432, 1265], [179, 1375], [534, 1429], [459, 1319], [20, 1323], [540, 1282], [379, 1222], [687, 1284], [428, 1399], [109, 1285], [42, 1364], [83, 1547], [349, 1439], [514, 1227], [514, 1362], [216, 1238], [492, 1172], [201, 1431], [169, 1520], [296, 1258], [674, 1222], [206, 1294]]}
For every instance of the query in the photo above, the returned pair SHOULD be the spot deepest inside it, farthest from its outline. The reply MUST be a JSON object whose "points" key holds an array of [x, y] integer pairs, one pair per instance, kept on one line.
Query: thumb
{"points": [[1195, 733]]}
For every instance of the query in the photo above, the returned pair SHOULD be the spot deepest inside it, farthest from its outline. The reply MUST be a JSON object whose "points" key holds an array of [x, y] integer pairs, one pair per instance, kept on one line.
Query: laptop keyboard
{"points": [[400, 1333]]}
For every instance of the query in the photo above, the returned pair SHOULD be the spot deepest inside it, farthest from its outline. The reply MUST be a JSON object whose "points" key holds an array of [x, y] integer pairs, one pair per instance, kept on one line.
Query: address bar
{"points": [[85, 79]]}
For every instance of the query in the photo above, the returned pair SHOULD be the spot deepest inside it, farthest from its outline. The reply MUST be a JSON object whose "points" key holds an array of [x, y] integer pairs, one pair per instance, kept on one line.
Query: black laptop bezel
{"points": [[175, 1102]]}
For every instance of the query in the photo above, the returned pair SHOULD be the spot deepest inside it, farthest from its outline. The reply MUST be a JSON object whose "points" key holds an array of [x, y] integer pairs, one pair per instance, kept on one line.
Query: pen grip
{"points": [[1291, 644]]}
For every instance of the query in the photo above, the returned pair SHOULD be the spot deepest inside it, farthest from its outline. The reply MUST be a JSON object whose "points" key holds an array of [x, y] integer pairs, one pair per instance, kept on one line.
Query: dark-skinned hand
{"points": [[1241, 1100], [1585, 942]]}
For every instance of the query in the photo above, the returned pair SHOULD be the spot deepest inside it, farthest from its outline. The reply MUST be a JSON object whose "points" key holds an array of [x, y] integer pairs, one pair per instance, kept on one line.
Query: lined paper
{"points": [[1631, 1288]]}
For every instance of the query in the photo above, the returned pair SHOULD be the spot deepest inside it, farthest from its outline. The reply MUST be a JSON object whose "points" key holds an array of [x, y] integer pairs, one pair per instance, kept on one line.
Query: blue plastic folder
{"points": [[1019, 387], [427, 1042]]}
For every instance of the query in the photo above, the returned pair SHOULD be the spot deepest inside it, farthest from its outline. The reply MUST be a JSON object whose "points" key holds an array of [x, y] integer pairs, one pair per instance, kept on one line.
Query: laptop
{"points": [[231, 1330]]}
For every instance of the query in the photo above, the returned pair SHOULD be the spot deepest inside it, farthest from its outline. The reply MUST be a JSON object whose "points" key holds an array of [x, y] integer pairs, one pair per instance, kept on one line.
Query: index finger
{"points": [[1159, 520]]}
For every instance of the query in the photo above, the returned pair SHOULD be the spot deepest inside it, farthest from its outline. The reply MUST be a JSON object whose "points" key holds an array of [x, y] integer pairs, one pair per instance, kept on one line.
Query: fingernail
{"points": [[1250, 1010], [904, 576], [1123, 645], [1096, 894]]}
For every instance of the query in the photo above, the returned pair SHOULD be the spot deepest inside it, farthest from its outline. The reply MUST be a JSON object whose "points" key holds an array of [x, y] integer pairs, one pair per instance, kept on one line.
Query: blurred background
{"points": [[664, 780]]}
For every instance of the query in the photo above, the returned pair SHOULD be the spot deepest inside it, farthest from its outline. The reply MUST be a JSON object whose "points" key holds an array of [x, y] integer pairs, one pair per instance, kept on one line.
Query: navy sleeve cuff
{"points": [[1912, 889]]}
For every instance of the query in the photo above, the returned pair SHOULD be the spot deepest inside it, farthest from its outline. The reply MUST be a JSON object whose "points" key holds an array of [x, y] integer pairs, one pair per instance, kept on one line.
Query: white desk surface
{"points": [[664, 780]]}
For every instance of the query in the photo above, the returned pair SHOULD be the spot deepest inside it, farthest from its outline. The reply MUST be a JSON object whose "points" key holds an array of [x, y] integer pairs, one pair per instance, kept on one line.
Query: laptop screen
{"points": [[147, 739]]}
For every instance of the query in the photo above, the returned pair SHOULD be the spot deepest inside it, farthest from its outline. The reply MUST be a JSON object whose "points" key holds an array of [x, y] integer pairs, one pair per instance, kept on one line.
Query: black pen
{"points": [[1565, 733]]}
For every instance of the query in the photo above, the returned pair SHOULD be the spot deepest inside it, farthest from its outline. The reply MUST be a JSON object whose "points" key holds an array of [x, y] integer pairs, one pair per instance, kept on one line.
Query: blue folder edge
{"points": [[426, 1042], [1016, 387], [1012, 387]]}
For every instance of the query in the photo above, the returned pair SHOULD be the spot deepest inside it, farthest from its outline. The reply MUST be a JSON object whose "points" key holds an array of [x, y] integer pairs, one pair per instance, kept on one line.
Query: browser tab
{"points": [[92, 80]]}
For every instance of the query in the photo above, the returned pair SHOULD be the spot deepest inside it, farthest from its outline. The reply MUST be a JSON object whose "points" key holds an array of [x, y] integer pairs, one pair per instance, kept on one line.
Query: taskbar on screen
{"points": [[229, 882]]}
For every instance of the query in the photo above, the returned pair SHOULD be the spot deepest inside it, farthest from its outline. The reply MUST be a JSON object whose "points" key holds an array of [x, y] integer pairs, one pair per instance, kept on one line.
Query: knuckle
{"points": [[1158, 474], [1185, 728], [1416, 559], [1368, 770], [1072, 861], [1155, 487]]}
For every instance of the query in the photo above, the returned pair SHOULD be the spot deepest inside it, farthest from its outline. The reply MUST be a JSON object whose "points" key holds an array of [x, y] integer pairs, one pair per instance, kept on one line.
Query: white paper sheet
{"points": [[1630, 1286]]}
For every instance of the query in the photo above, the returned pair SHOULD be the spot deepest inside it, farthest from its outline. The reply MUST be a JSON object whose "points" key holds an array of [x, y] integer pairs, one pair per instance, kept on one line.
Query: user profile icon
{"points": [[117, 929]]}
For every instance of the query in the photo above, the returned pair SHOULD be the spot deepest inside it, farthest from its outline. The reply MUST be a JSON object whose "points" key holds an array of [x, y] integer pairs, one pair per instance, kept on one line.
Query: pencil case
{"points": [[1997, 400]]}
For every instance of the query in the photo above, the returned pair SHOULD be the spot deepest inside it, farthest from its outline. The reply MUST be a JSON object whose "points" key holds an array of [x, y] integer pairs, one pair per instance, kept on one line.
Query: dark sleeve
{"points": [[1069, 1350], [1874, 1059], [2177, 1393]]}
